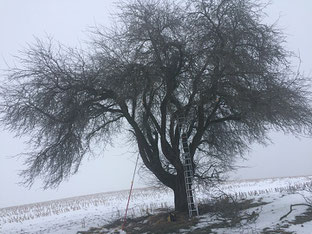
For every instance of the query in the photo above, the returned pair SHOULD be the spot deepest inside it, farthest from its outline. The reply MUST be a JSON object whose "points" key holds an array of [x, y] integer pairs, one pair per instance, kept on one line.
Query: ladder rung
{"points": [[188, 171]]}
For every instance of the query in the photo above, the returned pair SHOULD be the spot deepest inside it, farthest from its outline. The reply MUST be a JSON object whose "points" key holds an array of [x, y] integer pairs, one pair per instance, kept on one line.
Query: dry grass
{"points": [[232, 213]]}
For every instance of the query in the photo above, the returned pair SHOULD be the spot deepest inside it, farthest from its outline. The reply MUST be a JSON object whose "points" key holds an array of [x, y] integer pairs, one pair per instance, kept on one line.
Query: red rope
{"points": [[125, 218]]}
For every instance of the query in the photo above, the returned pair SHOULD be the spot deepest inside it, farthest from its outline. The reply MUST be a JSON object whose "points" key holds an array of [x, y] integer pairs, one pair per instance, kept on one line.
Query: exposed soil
{"points": [[162, 223]]}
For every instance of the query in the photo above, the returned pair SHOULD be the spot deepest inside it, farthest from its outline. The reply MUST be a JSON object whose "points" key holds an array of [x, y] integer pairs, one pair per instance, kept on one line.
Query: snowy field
{"points": [[70, 215]]}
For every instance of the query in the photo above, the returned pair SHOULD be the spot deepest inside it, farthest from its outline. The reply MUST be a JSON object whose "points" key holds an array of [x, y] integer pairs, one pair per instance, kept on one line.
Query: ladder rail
{"points": [[188, 170]]}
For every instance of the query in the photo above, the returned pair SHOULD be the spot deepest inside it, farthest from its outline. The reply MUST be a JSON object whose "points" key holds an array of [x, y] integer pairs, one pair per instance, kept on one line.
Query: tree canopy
{"points": [[212, 61]]}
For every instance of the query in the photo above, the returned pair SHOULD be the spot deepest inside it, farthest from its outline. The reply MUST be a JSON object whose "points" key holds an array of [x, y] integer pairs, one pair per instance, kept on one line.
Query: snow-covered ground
{"points": [[80, 213], [269, 216]]}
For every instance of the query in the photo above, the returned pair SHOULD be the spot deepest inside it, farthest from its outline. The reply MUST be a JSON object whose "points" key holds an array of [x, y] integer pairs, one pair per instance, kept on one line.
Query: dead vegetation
{"points": [[308, 201], [226, 211], [222, 210], [159, 223]]}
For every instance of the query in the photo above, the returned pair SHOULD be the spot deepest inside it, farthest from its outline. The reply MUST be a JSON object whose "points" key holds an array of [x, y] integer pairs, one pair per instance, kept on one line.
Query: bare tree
{"points": [[213, 61]]}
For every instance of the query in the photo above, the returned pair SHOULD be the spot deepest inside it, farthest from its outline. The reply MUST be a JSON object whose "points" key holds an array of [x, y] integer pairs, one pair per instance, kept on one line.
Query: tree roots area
{"points": [[223, 215]]}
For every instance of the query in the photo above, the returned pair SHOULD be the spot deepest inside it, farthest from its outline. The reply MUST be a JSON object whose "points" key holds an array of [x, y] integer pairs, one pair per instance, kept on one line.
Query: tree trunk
{"points": [[180, 199]]}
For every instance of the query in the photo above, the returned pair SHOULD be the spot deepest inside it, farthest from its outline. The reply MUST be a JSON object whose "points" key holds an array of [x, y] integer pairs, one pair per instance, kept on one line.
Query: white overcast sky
{"points": [[67, 21]]}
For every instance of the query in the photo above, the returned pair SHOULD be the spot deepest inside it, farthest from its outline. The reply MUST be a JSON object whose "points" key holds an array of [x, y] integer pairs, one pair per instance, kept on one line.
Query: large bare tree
{"points": [[212, 61]]}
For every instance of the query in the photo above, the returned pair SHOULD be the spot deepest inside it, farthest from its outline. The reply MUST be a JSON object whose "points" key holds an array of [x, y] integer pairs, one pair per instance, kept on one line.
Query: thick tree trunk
{"points": [[180, 199], [175, 182]]}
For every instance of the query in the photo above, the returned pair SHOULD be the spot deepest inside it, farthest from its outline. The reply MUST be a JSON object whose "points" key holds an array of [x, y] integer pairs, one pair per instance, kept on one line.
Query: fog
{"points": [[68, 22]]}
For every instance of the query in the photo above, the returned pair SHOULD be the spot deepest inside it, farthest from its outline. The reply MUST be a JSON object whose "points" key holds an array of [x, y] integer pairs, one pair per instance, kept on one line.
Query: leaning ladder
{"points": [[188, 171]]}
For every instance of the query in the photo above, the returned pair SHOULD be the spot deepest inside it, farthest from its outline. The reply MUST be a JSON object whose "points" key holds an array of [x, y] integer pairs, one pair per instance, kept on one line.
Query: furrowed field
{"points": [[80, 213]]}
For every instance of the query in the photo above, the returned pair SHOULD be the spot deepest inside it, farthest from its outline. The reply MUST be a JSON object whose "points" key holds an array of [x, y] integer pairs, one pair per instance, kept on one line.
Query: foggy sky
{"points": [[67, 21]]}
